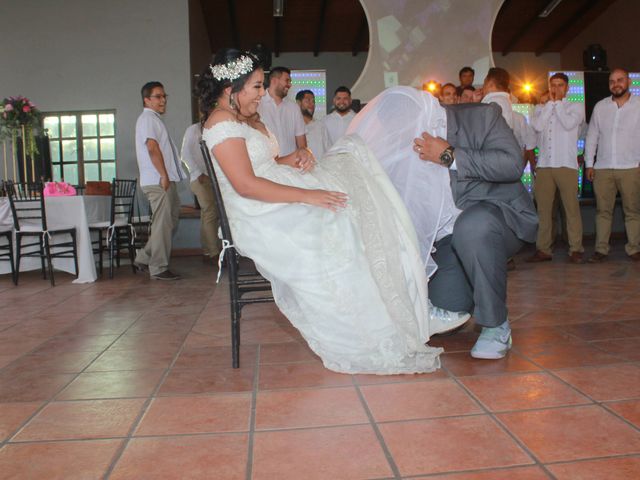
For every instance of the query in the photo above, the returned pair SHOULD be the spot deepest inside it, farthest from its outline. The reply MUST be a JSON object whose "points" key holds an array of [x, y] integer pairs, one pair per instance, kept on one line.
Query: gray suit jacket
{"points": [[489, 165]]}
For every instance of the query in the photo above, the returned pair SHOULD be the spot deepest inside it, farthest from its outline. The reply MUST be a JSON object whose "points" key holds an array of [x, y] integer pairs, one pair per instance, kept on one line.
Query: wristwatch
{"points": [[446, 157]]}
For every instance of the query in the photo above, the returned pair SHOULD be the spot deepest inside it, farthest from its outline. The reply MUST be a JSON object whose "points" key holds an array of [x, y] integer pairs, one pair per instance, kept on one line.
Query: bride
{"points": [[333, 238]]}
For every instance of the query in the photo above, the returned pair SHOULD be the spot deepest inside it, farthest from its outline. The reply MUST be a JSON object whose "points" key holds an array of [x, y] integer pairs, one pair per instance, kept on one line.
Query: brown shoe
{"points": [[539, 257], [576, 257], [597, 257], [635, 257]]}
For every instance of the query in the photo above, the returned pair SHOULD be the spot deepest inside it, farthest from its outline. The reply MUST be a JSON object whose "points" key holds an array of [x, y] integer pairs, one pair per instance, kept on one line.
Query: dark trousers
{"points": [[472, 265]]}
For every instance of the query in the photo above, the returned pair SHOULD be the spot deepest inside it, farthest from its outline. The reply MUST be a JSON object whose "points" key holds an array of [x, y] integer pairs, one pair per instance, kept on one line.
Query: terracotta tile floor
{"points": [[132, 379]]}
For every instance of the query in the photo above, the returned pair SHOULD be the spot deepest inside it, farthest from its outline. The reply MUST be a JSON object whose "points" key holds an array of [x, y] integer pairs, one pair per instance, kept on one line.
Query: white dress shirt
{"points": [[317, 138], [504, 100], [284, 121], [615, 134], [525, 134], [337, 124], [558, 125], [150, 126], [191, 154]]}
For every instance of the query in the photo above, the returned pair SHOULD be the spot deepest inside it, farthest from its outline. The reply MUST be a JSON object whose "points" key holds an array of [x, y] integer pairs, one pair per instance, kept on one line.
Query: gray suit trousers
{"points": [[472, 265]]}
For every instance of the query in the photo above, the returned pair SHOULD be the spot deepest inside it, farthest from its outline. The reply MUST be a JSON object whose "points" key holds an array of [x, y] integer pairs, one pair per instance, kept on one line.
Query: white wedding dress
{"points": [[351, 282]]}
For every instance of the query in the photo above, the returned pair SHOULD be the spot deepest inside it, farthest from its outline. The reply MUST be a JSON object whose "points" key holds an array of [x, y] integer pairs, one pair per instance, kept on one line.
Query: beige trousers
{"points": [[606, 184], [565, 181], [208, 216], [165, 208]]}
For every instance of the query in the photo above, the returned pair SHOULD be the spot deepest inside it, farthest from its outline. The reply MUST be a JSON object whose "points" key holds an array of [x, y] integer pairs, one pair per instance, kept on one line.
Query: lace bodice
{"points": [[262, 149]]}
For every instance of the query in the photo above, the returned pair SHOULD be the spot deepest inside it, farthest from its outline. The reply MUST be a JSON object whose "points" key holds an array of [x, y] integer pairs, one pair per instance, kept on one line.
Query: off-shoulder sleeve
{"points": [[223, 131]]}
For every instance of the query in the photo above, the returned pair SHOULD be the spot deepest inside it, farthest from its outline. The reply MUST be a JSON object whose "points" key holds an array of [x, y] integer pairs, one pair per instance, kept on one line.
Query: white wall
{"points": [[96, 54]]}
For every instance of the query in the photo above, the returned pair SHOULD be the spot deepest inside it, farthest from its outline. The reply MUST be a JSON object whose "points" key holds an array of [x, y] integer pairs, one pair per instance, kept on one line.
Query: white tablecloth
{"points": [[76, 211]]}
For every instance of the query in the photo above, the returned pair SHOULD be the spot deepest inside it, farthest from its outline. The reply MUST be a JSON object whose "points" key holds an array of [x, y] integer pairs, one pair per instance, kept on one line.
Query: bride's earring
{"points": [[232, 102]]}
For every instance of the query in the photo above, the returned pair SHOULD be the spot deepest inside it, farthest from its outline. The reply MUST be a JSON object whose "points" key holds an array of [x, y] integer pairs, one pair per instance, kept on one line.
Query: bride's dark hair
{"points": [[208, 89]]}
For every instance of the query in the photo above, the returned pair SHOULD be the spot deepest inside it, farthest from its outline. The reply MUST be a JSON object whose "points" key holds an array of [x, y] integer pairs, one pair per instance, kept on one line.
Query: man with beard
{"points": [[338, 120], [613, 134], [282, 117], [316, 133]]}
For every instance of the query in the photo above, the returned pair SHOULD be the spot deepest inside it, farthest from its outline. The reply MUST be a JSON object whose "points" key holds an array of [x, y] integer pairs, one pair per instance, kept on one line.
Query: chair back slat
{"points": [[123, 193], [224, 221], [27, 204]]}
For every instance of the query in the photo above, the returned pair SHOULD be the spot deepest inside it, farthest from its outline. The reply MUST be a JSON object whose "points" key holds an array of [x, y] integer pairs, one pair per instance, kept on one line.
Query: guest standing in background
{"points": [[338, 120], [315, 131]]}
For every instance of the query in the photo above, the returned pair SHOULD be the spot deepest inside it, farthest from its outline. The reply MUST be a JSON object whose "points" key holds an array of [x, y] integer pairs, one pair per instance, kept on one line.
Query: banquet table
{"points": [[78, 211]]}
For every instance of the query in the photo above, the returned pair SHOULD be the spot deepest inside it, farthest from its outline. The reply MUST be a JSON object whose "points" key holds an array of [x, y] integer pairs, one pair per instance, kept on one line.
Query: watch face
{"points": [[446, 157]]}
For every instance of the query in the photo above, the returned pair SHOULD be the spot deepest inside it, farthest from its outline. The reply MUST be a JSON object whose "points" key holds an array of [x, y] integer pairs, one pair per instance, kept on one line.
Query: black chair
{"points": [[6, 251], [116, 234], [241, 280], [29, 221]]}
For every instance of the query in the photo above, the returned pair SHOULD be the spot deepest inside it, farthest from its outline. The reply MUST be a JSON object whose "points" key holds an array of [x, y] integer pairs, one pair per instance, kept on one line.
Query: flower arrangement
{"points": [[16, 112]]}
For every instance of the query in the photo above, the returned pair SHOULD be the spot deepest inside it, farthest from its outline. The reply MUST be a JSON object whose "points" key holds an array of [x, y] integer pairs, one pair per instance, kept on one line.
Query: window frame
{"points": [[80, 138]]}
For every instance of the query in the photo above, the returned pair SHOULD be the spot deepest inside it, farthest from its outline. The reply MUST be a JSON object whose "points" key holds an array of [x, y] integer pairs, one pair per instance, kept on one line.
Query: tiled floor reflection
{"points": [[132, 379]]}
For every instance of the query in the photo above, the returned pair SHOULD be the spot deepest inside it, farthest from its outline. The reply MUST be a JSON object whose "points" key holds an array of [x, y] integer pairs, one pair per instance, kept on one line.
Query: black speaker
{"points": [[596, 87], [263, 53], [595, 58]]}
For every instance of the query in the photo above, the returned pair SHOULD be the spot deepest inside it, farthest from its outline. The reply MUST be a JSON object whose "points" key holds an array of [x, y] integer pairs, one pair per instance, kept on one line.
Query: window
{"points": [[83, 145]]}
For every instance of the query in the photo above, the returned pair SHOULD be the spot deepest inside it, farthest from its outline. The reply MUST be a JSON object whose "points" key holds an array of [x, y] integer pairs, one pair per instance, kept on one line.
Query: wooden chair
{"points": [[241, 280], [30, 221], [116, 234]]}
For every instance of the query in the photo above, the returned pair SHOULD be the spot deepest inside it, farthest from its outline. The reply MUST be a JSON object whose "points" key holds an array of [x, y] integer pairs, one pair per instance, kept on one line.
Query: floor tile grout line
{"points": [[501, 425], [474, 470], [252, 416], [145, 407], [381, 441]]}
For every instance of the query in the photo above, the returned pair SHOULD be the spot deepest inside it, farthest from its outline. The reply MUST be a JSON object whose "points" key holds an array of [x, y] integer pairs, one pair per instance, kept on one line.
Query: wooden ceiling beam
{"points": [[321, 22], [357, 40], [531, 23], [233, 24], [575, 19]]}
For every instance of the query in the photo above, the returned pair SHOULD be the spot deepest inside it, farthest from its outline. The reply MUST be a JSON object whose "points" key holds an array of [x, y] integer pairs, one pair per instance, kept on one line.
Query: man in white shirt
{"points": [[496, 90], [614, 134], [558, 123], [282, 117], [160, 169], [338, 120], [202, 189], [316, 133]]}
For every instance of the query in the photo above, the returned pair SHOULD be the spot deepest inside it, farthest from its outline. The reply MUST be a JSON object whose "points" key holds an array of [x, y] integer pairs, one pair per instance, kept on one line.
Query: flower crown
{"points": [[232, 70]]}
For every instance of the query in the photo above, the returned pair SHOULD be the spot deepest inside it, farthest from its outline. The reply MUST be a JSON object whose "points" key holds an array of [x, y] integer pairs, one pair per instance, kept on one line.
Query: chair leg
{"points": [[14, 277], [47, 251], [100, 247], [43, 256], [235, 334], [75, 252], [18, 255], [132, 251], [111, 243]]}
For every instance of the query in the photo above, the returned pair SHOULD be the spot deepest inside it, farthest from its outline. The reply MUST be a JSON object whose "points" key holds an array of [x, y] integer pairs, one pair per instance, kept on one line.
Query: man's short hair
{"points": [[342, 89], [559, 76], [468, 87], [500, 78], [278, 71], [465, 70], [300, 95], [147, 88], [447, 85], [618, 69]]}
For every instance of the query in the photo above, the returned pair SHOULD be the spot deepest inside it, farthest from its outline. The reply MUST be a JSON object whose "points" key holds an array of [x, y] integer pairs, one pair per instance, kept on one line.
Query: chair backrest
{"points": [[123, 193], [222, 212], [27, 204]]}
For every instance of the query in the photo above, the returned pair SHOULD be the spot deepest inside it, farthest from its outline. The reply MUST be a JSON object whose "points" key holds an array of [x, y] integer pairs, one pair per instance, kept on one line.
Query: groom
{"points": [[485, 166]]}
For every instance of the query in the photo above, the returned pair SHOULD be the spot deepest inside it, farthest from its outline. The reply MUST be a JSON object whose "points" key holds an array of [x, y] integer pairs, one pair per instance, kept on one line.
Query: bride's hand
{"points": [[326, 199]]}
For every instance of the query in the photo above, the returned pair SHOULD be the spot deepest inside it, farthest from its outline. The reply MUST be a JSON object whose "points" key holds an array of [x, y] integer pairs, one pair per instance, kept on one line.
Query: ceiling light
{"points": [[549, 8], [278, 8]]}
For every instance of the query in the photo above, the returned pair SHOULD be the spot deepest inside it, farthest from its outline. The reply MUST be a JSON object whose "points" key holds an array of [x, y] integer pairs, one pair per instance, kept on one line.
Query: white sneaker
{"points": [[493, 343], [444, 321]]}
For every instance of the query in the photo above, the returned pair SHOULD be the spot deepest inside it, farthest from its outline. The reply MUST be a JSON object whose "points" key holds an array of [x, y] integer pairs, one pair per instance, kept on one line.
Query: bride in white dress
{"points": [[333, 238]]}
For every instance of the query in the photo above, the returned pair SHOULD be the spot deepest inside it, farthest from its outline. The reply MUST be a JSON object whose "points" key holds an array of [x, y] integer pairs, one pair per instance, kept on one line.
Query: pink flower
{"points": [[8, 107], [26, 109]]}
